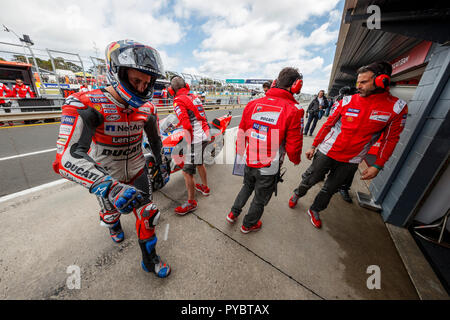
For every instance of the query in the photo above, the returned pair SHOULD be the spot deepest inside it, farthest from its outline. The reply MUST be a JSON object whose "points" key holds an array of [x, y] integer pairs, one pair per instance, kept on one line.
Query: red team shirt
{"points": [[269, 126], [4, 92], [357, 123], [21, 91]]}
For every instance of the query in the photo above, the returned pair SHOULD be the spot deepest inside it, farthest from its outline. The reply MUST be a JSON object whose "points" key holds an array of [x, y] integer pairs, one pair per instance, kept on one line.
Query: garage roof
{"points": [[358, 46]]}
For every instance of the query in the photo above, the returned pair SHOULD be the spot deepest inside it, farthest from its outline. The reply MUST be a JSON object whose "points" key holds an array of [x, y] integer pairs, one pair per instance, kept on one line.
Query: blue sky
{"points": [[220, 39]]}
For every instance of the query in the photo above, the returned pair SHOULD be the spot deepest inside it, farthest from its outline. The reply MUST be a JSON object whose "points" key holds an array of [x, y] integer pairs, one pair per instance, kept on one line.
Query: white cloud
{"points": [[243, 38], [74, 27], [257, 38]]}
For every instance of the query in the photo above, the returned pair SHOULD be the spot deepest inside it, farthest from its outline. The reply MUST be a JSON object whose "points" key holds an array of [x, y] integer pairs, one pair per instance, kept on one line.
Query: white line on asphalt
{"points": [[27, 154], [167, 232], [31, 190], [237, 116], [231, 131]]}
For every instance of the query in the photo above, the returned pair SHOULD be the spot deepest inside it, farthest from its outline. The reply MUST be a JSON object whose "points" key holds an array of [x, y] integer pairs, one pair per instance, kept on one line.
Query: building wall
{"points": [[423, 145]]}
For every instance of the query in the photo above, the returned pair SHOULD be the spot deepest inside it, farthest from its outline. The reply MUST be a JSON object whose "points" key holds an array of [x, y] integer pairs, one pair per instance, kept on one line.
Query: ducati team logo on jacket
{"points": [[266, 113], [380, 116]]}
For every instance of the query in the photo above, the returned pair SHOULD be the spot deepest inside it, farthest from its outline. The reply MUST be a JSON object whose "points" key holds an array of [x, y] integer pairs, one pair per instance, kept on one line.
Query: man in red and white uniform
{"points": [[83, 88], [192, 117], [4, 92], [100, 144], [164, 96], [345, 138], [21, 90], [270, 127]]}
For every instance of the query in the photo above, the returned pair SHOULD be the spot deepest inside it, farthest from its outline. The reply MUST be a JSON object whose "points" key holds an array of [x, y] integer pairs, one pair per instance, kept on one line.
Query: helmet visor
{"points": [[142, 58]]}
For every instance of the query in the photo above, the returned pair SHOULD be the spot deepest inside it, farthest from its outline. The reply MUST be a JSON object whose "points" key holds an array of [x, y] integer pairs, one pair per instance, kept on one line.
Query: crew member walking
{"points": [[270, 127], [347, 135]]}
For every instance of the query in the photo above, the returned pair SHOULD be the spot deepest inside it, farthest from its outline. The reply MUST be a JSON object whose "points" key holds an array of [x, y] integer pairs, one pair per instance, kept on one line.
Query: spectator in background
{"points": [[5, 92], [312, 113], [323, 105], [327, 110], [266, 86], [83, 88], [21, 90], [164, 96]]}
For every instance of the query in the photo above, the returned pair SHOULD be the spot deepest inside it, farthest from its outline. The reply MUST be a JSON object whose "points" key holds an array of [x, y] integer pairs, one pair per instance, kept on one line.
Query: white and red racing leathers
{"points": [[192, 116], [357, 123], [4, 92], [22, 91], [99, 136], [271, 126]]}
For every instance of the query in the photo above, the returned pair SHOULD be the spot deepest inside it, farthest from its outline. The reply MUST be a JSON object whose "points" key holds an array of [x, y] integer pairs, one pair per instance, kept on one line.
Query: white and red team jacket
{"points": [[270, 127], [4, 92], [21, 91], [98, 136], [357, 123], [192, 116]]}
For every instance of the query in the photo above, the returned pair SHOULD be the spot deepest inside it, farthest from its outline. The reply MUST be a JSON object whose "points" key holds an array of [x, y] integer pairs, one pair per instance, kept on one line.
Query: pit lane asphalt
{"points": [[24, 171]]}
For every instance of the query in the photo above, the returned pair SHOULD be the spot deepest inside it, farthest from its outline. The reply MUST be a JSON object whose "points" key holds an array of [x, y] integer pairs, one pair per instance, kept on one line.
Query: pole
{"points": [[82, 66], [54, 69], [36, 66]]}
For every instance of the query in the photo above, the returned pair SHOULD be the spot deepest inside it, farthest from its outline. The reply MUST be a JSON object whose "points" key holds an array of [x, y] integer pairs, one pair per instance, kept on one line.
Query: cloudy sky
{"points": [[217, 38]]}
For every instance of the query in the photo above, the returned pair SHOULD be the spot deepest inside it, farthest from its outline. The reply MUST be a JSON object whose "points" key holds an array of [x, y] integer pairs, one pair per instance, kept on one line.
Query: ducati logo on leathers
{"points": [[80, 171], [120, 152]]}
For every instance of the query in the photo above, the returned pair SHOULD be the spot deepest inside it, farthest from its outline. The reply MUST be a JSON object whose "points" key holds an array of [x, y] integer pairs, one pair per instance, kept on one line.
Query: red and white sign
{"points": [[412, 58]]}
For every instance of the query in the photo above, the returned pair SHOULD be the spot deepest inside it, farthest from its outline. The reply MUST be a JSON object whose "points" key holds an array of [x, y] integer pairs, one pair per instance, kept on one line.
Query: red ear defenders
{"points": [[172, 92], [295, 88], [382, 81]]}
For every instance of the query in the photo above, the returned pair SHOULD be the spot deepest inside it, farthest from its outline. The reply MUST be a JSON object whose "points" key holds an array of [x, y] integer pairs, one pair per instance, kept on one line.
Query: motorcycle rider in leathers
{"points": [[100, 144]]}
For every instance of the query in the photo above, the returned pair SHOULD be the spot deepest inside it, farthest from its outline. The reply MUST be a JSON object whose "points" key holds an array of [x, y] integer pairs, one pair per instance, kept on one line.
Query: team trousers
{"points": [[338, 172], [263, 185]]}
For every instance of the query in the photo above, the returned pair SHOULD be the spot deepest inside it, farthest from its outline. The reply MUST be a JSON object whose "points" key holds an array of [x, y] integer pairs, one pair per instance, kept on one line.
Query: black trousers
{"points": [[348, 180], [263, 185], [312, 118], [338, 173]]}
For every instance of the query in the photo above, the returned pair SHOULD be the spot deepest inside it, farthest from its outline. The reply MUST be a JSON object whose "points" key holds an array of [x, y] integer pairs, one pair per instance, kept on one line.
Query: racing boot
{"points": [[116, 232], [151, 262]]}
